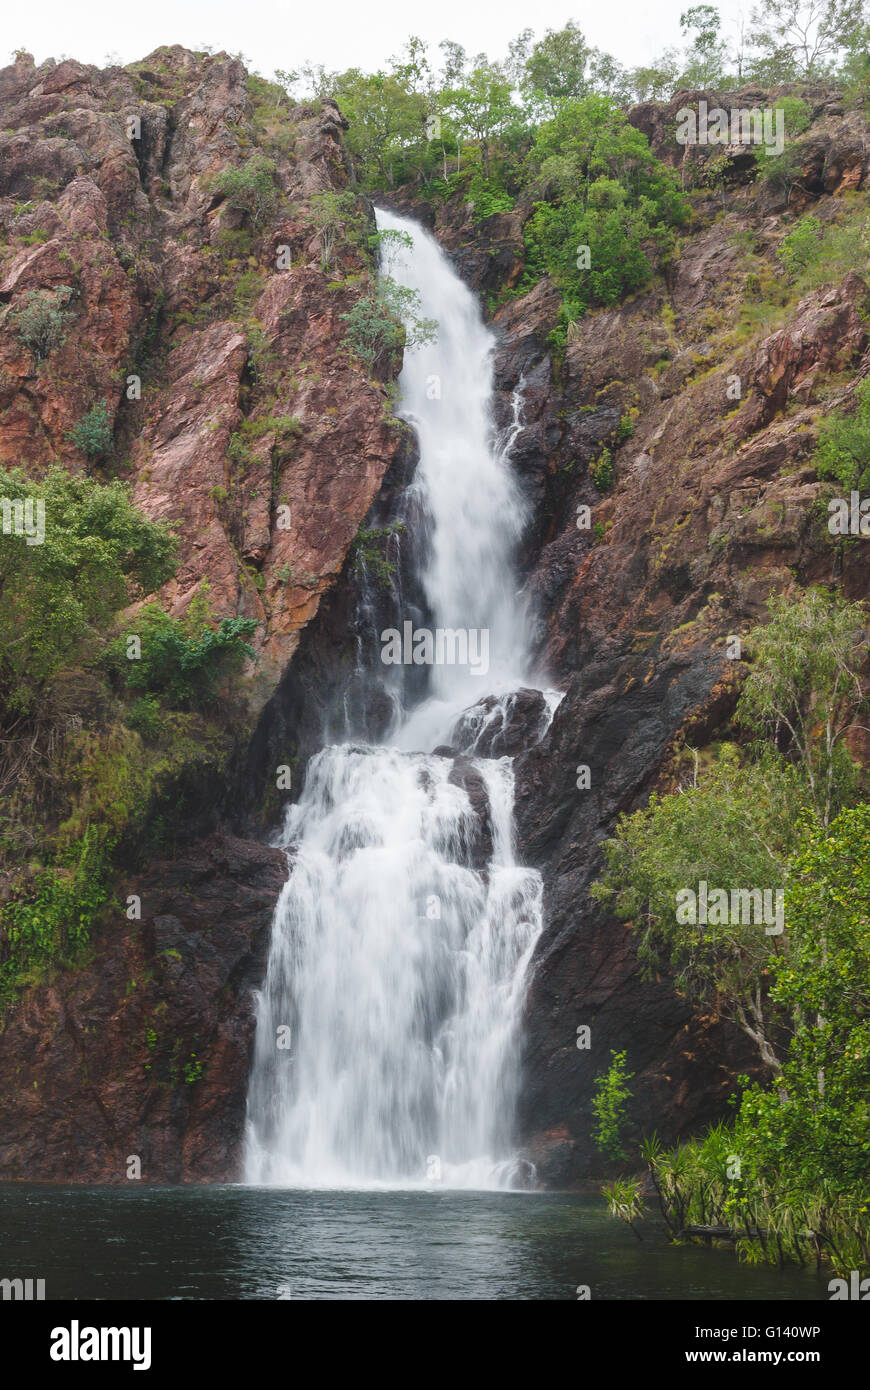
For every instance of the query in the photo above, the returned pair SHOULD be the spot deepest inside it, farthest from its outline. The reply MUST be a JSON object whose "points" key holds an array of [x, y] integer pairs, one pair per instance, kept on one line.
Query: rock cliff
{"points": [[708, 419]]}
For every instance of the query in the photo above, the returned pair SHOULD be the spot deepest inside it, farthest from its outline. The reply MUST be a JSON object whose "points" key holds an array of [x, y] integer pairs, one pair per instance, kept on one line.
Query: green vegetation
{"points": [[609, 1103], [381, 324], [338, 217], [791, 1174], [185, 660], [817, 255], [89, 773], [57, 598], [602, 470], [250, 188], [52, 923], [603, 198], [544, 130], [92, 435], [801, 246], [194, 1070], [843, 451], [41, 322], [368, 549]]}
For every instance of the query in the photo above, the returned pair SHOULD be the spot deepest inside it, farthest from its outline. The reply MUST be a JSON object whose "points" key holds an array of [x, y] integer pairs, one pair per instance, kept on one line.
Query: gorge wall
{"points": [[145, 1048]]}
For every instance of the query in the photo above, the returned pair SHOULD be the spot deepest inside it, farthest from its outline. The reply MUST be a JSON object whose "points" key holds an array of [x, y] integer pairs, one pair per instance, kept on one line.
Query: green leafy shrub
{"points": [[247, 288], [612, 1094], [194, 1070], [52, 923], [250, 188], [146, 717], [488, 197], [797, 115], [790, 1176], [604, 201], [801, 247], [184, 660], [843, 450], [602, 470], [92, 435], [58, 598], [41, 322], [337, 215], [740, 823], [368, 548], [381, 324]]}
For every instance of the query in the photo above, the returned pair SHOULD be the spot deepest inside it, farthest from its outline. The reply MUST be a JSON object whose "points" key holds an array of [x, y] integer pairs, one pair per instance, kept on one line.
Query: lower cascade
{"points": [[389, 1025]]}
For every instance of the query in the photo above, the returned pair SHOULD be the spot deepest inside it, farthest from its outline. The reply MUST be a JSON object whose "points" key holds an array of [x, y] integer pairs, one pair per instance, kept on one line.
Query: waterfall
{"points": [[388, 1026]]}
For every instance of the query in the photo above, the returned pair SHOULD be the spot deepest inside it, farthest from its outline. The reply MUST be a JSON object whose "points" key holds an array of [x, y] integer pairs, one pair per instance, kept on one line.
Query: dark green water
{"points": [[249, 1243]]}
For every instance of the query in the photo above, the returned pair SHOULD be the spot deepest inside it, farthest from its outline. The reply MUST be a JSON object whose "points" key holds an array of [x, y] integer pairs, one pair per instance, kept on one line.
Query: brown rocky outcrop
{"points": [[126, 215]]}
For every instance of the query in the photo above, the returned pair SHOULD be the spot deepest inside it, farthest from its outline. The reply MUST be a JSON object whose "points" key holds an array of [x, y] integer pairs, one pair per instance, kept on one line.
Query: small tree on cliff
{"points": [[250, 188], [41, 321], [612, 1094]]}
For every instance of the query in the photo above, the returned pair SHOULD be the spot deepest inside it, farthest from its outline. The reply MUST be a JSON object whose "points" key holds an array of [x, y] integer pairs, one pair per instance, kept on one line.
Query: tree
{"points": [[612, 1094], [843, 449], [454, 63], [92, 434], [792, 1173], [600, 186], [739, 826], [734, 829], [387, 123], [657, 82], [185, 659], [518, 54], [250, 188], [556, 69], [41, 321], [482, 107], [808, 1138], [336, 214], [379, 325], [802, 38], [805, 684], [707, 55], [412, 67], [98, 552], [285, 81]]}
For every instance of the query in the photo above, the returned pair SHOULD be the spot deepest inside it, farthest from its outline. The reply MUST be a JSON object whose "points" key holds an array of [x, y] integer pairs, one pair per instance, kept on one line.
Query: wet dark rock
{"points": [[146, 1050], [501, 726], [478, 846]]}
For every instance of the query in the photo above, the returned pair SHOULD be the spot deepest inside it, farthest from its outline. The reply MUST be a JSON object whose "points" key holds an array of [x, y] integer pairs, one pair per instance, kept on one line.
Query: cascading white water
{"points": [[397, 967]]}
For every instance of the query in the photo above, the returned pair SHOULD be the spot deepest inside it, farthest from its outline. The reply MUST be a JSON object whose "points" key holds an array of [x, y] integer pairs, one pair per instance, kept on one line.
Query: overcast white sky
{"points": [[338, 33]]}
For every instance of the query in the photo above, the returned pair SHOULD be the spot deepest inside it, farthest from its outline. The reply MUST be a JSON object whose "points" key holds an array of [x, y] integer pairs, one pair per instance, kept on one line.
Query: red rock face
{"points": [[134, 227]]}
